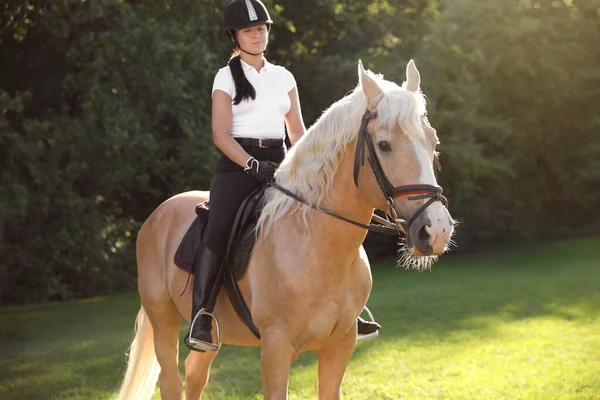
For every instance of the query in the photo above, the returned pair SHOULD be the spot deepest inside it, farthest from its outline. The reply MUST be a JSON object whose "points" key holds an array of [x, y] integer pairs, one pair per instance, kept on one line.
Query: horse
{"points": [[308, 277]]}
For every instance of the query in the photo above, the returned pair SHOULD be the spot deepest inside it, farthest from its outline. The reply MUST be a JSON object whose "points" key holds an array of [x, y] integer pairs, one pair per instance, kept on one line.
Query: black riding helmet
{"points": [[241, 14]]}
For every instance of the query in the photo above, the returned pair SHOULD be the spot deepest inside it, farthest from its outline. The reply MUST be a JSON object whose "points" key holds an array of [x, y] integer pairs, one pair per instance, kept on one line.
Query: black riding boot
{"points": [[367, 327], [207, 282]]}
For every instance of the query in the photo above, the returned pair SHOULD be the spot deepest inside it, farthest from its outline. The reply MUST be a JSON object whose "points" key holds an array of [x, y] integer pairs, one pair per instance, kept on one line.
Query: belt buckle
{"points": [[260, 144]]}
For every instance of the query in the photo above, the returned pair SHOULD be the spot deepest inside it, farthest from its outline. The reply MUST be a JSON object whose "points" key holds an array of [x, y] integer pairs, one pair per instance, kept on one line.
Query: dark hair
{"points": [[243, 88]]}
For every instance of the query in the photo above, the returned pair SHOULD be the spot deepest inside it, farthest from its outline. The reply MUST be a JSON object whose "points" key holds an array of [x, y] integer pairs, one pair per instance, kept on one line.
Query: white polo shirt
{"points": [[263, 117]]}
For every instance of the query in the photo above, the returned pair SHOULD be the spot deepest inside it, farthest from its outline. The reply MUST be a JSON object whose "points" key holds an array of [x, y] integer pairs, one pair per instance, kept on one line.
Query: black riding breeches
{"points": [[229, 187]]}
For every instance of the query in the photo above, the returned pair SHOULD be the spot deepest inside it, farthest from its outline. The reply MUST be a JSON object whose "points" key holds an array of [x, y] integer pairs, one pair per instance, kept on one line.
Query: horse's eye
{"points": [[384, 146]]}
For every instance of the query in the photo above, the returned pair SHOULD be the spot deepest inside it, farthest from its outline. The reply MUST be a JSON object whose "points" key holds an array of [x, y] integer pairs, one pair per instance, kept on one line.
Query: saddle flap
{"points": [[243, 234]]}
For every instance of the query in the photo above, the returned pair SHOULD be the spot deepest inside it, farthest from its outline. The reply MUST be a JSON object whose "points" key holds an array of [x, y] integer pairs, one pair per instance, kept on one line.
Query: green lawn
{"points": [[518, 323]]}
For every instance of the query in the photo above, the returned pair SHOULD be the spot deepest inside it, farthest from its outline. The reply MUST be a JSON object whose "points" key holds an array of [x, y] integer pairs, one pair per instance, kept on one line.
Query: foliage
{"points": [[102, 108], [324, 39], [514, 91], [105, 112]]}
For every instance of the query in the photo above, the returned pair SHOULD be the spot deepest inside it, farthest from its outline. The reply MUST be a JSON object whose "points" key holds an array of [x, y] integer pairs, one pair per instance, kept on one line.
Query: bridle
{"points": [[418, 192], [415, 192]]}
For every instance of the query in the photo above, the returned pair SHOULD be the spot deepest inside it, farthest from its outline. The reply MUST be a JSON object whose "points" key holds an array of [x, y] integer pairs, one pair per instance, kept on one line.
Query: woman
{"points": [[253, 101]]}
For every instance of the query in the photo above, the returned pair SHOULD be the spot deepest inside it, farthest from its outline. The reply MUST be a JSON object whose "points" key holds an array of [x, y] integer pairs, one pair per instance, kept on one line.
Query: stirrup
{"points": [[371, 319], [199, 344]]}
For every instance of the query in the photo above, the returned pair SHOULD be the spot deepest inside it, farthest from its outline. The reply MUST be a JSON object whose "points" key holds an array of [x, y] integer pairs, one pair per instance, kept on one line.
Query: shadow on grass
{"points": [[58, 350], [474, 293], [93, 368]]}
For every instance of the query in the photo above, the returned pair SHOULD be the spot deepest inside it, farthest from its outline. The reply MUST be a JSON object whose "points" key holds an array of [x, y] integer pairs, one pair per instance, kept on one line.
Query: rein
{"points": [[415, 192], [387, 229]]}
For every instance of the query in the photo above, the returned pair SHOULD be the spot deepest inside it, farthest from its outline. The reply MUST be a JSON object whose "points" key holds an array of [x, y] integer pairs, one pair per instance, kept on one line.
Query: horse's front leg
{"points": [[276, 356], [333, 361]]}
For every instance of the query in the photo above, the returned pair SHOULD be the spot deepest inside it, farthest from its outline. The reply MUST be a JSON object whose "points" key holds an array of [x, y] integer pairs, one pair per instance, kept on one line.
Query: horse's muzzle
{"points": [[430, 233]]}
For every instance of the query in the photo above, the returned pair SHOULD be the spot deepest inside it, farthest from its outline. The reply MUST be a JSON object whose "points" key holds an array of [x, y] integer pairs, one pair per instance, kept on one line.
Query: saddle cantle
{"points": [[239, 247]]}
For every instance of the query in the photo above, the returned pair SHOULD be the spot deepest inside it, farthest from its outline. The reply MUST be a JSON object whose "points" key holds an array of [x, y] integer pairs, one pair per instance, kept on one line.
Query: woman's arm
{"points": [[293, 119], [221, 129]]}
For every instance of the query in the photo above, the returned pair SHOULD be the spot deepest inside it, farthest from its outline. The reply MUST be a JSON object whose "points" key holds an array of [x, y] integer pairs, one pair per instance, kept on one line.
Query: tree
{"points": [[102, 105], [513, 89]]}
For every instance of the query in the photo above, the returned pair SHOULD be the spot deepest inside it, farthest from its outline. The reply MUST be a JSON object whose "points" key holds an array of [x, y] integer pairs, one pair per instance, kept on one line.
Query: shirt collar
{"points": [[247, 67]]}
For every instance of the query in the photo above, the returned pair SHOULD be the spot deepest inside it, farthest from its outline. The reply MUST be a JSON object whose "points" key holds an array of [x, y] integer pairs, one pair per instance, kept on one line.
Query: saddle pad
{"points": [[190, 245]]}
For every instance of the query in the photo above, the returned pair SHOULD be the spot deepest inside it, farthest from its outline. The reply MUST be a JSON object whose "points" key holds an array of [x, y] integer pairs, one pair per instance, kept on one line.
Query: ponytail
{"points": [[243, 88]]}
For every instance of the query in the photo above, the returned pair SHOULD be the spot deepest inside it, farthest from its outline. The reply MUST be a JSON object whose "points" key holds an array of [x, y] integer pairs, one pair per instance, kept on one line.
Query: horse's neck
{"points": [[344, 199]]}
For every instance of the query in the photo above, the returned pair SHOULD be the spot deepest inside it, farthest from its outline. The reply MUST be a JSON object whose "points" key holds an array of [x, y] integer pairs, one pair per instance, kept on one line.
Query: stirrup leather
{"points": [[371, 319], [199, 344]]}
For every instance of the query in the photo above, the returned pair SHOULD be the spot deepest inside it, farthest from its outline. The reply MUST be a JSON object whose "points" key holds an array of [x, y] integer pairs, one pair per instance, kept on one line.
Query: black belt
{"points": [[262, 143]]}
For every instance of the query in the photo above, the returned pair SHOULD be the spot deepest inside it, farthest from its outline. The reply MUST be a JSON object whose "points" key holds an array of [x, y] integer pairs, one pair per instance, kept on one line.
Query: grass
{"points": [[517, 323]]}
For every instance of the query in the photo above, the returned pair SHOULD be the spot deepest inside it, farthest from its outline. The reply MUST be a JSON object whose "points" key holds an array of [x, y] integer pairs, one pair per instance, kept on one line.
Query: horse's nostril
{"points": [[423, 235]]}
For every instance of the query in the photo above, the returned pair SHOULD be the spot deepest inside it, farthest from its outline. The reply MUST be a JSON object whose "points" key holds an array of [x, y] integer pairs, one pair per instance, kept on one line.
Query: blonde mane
{"points": [[311, 164]]}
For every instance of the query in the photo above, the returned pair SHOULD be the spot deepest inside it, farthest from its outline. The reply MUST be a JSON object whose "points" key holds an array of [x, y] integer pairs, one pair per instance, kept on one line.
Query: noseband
{"points": [[415, 192]]}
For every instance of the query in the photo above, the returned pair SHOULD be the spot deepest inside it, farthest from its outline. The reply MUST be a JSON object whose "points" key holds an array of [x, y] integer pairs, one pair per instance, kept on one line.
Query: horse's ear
{"points": [[413, 78], [369, 87]]}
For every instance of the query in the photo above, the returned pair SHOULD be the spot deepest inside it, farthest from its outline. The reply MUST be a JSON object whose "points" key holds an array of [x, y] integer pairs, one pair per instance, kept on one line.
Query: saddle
{"points": [[239, 247]]}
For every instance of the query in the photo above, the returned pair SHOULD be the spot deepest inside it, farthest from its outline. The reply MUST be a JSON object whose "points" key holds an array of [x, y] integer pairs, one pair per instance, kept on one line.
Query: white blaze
{"points": [[441, 228]]}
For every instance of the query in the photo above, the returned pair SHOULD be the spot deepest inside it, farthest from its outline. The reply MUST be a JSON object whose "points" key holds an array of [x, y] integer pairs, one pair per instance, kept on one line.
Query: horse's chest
{"points": [[335, 313], [317, 301]]}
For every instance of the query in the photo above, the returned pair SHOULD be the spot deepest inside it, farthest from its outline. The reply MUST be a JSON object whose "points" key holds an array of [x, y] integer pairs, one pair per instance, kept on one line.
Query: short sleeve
{"points": [[224, 81], [291, 82]]}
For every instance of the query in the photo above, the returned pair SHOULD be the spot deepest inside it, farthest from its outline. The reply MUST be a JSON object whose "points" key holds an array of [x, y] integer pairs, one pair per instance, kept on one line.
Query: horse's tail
{"points": [[142, 366]]}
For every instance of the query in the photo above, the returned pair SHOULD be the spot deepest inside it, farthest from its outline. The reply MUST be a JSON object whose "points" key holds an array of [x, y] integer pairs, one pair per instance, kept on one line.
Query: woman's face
{"points": [[253, 39]]}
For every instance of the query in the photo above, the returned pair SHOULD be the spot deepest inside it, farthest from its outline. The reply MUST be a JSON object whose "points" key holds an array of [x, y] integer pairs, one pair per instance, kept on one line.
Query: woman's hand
{"points": [[262, 171]]}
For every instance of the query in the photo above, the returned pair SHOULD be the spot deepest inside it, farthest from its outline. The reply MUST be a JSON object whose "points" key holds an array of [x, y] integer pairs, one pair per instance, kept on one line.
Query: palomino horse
{"points": [[309, 277]]}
